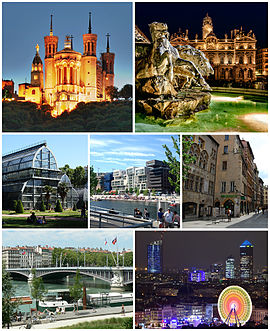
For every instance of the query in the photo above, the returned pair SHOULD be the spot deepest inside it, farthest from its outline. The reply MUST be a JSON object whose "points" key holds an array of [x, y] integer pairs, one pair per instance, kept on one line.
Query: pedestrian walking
{"points": [[146, 214], [168, 218], [123, 310], [176, 218], [160, 218], [229, 214]]}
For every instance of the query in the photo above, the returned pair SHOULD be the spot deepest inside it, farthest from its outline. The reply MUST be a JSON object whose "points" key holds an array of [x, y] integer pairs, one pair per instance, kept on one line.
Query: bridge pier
{"points": [[117, 282]]}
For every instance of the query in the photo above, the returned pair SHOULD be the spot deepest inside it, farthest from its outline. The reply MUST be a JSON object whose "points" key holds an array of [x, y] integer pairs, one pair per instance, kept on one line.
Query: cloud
{"points": [[94, 142]]}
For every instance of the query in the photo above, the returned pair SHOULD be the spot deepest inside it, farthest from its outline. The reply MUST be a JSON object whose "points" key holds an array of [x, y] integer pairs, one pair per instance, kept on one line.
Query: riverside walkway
{"points": [[71, 318]]}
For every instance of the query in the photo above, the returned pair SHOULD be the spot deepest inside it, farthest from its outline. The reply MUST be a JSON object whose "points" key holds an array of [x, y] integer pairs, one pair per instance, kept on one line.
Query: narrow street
{"points": [[255, 221]]}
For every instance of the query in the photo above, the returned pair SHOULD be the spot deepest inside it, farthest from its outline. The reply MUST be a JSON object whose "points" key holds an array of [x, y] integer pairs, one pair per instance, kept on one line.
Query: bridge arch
{"points": [[88, 274], [15, 272]]}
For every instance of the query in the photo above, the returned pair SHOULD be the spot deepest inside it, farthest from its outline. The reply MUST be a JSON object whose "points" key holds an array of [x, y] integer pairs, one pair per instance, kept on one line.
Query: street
{"points": [[255, 221]]}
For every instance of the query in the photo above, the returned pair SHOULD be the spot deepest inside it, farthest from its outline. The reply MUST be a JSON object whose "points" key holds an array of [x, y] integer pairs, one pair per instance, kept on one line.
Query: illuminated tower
{"points": [[229, 272], [207, 26], [89, 64], [37, 70], [246, 260], [51, 44], [154, 256], [107, 66]]}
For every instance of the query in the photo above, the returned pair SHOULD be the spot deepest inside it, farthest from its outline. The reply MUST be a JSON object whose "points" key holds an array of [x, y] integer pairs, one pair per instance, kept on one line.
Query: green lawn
{"points": [[221, 116], [66, 219], [110, 323]]}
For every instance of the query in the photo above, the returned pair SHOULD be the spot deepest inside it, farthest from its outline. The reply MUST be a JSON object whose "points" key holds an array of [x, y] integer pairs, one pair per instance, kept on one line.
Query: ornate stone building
{"points": [[199, 186], [70, 77], [233, 57]]}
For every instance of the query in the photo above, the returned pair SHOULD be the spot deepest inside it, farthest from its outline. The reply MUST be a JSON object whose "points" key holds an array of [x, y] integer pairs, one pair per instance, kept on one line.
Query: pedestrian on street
{"points": [[229, 214], [168, 217], [146, 214], [160, 217], [123, 310], [176, 218]]}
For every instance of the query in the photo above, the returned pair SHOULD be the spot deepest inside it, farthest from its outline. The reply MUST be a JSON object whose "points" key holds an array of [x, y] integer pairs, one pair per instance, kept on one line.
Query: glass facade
{"points": [[25, 174], [246, 260], [154, 256]]}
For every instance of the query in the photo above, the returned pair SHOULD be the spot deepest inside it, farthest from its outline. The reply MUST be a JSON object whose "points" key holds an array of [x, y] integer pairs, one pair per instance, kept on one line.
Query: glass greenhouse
{"points": [[26, 172]]}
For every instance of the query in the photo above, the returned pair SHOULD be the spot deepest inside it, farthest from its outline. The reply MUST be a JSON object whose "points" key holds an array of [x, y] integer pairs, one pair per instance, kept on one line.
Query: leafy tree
{"points": [[137, 191], [187, 157], [79, 177], [76, 291], [6, 94], [37, 288], [67, 170], [74, 207], [58, 207], [8, 306], [63, 190], [111, 92], [145, 192], [42, 206], [48, 191], [19, 207], [153, 192], [131, 190], [173, 161], [126, 91], [128, 323], [93, 181], [126, 190]]}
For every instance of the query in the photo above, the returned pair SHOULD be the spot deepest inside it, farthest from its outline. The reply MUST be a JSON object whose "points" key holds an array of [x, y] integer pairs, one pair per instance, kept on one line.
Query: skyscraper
{"points": [[229, 272], [154, 256], [246, 260]]}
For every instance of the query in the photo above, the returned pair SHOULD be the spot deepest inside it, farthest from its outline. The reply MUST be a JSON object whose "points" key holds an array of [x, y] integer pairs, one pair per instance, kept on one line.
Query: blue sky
{"points": [[26, 24], [65, 238], [67, 149], [111, 152]]}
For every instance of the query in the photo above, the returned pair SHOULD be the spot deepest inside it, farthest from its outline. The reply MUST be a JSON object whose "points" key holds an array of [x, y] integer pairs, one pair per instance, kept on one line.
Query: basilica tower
{"points": [[37, 71], [207, 26], [51, 44], [89, 63], [107, 66]]}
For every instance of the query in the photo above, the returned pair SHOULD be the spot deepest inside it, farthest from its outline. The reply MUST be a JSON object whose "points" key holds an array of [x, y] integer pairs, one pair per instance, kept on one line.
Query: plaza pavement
{"points": [[216, 224]]}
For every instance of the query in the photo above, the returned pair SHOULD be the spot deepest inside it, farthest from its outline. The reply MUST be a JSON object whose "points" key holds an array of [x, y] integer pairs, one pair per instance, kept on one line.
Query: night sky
{"points": [[200, 249], [226, 16], [26, 24]]}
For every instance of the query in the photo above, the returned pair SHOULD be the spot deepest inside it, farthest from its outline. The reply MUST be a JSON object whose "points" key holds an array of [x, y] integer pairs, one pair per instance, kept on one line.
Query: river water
{"points": [[127, 207], [22, 288]]}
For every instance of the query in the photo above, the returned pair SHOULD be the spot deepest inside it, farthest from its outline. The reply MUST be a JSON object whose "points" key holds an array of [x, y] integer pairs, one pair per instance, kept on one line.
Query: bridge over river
{"points": [[117, 277]]}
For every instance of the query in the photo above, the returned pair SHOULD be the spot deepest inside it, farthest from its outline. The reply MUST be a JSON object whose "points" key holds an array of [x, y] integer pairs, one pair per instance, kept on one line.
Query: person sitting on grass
{"points": [[43, 219], [33, 217]]}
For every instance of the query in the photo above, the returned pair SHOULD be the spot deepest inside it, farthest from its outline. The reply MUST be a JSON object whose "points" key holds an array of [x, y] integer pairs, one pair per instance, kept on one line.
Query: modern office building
{"points": [[158, 177], [229, 271], [27, 171], [154, 256], [246, 260], [197, 276]]}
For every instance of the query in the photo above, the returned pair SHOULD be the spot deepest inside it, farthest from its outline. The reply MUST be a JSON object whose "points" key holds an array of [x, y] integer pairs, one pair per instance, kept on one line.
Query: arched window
{"points": [[241, 74], [33, 92], [65, 75], [229, 60], [71, 76], [250, 73], [250, 60], [241, 60], [222, 60]]}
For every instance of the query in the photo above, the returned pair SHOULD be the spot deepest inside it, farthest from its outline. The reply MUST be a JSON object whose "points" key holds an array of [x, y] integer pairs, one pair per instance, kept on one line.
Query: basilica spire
{"points": [[108, 42], [51, 29], [89, 26]]}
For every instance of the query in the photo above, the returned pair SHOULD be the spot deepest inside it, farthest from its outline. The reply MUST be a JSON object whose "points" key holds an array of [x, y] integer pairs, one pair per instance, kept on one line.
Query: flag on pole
{"points": [[106, 242], [114, 241]]}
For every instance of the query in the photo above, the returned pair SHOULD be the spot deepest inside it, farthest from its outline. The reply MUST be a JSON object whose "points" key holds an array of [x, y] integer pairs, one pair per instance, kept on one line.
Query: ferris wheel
{"points": [[234, 306]]}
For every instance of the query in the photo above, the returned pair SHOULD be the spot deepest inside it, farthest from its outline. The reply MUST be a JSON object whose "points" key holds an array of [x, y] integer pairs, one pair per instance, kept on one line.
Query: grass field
{"points": [[66, 219], [110, 323]]}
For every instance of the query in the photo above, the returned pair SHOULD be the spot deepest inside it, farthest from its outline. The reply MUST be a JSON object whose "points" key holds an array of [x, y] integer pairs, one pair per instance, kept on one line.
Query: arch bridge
{"points": [[115, 276]]}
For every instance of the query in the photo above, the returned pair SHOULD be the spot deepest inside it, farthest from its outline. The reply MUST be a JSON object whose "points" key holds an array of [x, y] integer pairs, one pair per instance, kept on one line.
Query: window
{"points": [[224, 165], [201, 143], [201, 185], [33, 92], [212, 168], [211, 188], [225, 151], [223, 187], [232, 189], [226, 137]]}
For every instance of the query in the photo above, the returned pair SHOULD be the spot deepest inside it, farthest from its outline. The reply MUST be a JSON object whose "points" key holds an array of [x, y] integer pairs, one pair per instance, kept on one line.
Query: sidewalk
{"points": [[215, 223], [84, 316]]}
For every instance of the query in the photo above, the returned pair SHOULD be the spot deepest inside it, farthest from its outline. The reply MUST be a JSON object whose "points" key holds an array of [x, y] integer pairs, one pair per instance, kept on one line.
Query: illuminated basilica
{"points": [[70, 77], [233, 58]]}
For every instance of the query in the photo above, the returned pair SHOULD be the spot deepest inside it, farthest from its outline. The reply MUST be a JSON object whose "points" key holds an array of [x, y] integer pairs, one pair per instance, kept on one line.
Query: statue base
{"points": [[185, 104]]}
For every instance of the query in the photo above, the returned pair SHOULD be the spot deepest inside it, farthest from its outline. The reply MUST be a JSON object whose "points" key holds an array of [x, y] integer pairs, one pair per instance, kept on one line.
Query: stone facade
{"points": [[262, 61], [199, 186], [71, 77], [233, 57]]}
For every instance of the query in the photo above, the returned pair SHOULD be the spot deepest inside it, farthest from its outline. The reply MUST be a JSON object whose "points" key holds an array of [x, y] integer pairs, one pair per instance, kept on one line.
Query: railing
{"points": [[103, 218]]}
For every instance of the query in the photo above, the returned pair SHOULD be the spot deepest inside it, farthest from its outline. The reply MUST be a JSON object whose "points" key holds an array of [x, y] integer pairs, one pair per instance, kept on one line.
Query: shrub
{"points": [[74, 207], [13, 205], [58, 207], [42, 206], [19, 207]]}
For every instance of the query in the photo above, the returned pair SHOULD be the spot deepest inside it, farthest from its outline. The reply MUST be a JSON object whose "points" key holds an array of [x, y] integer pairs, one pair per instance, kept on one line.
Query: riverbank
{"points": [[70, 318], [169, 198]]}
